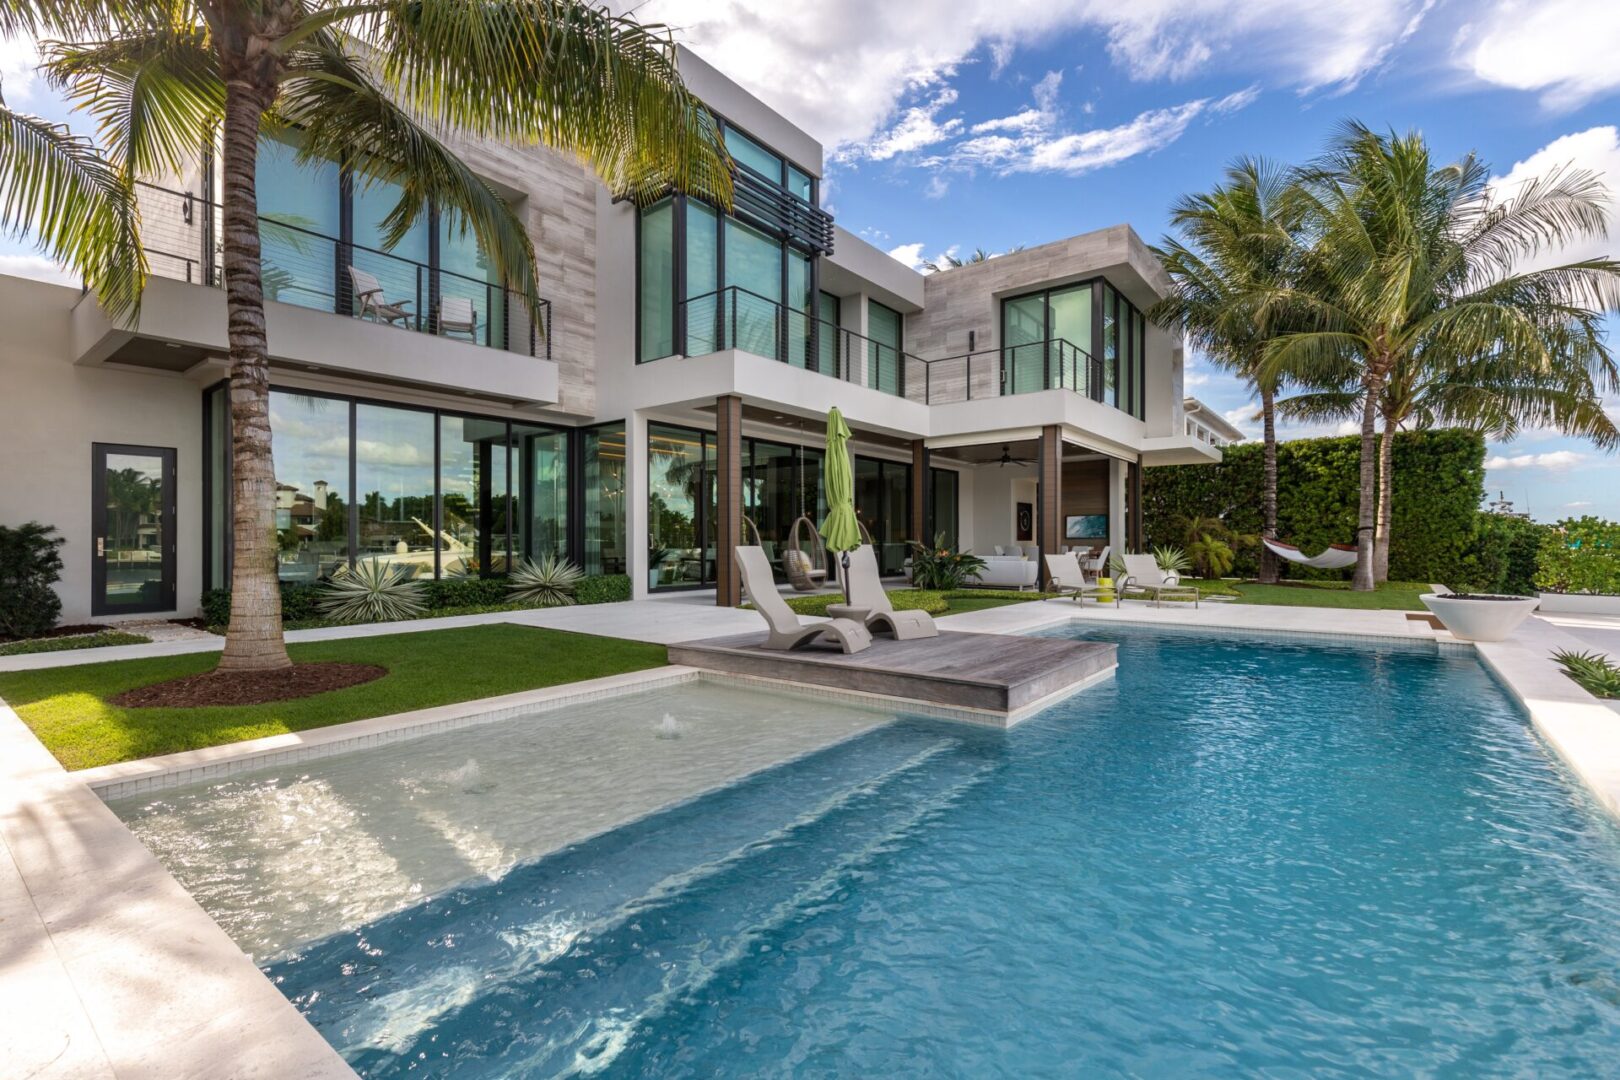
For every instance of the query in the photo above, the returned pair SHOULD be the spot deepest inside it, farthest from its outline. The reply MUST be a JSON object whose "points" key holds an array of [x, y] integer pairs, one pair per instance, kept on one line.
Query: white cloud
{"points": [[1565, 49], [37, 266], [18, 58], [1553, 459], [937, 187], [1596, 149], [910, 254], [1578, 504], [919, 127], [843, 88]]}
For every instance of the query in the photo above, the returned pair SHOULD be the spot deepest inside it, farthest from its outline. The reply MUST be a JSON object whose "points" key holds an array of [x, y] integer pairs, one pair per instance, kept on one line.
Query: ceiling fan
{"points": [[1007, 459]]}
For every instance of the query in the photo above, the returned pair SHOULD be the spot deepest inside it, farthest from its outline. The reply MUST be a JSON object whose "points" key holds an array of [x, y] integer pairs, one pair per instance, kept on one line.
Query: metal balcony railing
{"points": [[737, 318], [180, 234]]}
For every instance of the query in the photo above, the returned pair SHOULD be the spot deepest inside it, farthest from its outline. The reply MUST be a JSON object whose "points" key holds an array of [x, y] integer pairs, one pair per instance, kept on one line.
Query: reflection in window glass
{"points": [[883, 504], [472, 496], [657, 270], [829, 340], [402, 269], [1110, 353], [674, 479], [799, 314], [754, 264], [799, 183], [604, 500], [472, 305], [1023, 340], [745, 151], [298, 219], [309, 441], [703, 331], [394, 475], [944, 500], [540, 497], [883, 328]]}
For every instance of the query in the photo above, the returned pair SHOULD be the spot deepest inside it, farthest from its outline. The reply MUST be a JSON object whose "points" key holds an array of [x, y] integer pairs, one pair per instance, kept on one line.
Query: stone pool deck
{"points": [[108, 968]]}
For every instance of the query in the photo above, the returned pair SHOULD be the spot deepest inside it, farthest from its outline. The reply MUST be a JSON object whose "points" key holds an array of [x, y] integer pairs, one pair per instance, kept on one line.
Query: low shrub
{"points": [[1502, 556], [30, 562], [463, 592], [603, 589], [97, 640], [939, 566], [1581, 555]]}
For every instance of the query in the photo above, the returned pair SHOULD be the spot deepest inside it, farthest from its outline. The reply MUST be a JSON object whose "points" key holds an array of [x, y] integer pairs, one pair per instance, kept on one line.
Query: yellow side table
{"points": [[1106, 595]]}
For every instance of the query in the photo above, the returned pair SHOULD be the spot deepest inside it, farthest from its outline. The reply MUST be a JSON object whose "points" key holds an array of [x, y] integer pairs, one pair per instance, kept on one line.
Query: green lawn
{"points": [[66, 707], [1390, 596], [932, 601]]}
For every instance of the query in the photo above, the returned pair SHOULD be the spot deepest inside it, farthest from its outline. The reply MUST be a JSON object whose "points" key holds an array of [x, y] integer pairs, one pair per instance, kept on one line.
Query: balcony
{"points": [[419, 324], [736, 318]]}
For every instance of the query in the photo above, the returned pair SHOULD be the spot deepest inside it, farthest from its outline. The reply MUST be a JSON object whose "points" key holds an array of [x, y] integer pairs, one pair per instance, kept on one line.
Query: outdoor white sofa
{"points": [[1007, 572]]}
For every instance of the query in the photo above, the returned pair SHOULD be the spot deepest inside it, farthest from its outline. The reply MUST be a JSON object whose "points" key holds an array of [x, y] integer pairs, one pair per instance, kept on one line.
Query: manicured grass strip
{"points": [[67, 707], [98, 640], [1390, 596]]}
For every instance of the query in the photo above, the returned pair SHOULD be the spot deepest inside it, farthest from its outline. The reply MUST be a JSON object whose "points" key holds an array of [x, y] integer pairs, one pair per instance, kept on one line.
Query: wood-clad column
{"points": [[728, 499], [1049, 497], [921, 491]]}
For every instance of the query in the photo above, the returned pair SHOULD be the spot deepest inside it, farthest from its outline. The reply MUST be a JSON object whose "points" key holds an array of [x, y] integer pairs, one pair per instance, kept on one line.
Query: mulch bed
{"points": [[248, 687]]}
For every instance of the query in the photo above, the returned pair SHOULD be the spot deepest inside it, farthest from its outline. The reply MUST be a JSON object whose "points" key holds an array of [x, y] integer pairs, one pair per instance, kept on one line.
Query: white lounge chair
{"points": [[457, 315], [1144, 580], [369, 291], [1065, 577], [866, 595], [786, 631]]}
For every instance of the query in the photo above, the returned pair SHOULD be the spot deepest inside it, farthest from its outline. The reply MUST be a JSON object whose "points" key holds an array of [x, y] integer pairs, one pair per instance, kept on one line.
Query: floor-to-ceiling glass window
{"points": [[944, 505], [704, 301], [603, 497], [885, 331], [1110, 345], [401, 269], [674, 485], [1083, 337], [539, 492], [754, 270], [299, 223], [828, 338], [471, 303], [393, 463], [309, 441], [472, 496], [1071, 333], [657, 280], [883, 504], [800, 312], [1023, 344]]}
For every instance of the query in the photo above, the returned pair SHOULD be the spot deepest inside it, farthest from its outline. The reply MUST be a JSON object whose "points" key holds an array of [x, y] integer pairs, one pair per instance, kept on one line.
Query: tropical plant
{"points": [[548, 581], [1596, 673], [30, 562], [1212, 546], [1171, 559], [371, 85], [371, 591], [1581, 555], [939, 566], [1415, 276], [1237, 246]]}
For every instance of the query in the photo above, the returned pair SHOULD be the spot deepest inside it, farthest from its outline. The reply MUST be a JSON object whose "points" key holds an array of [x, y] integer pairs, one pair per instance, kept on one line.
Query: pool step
{"points": [[691, 881]]}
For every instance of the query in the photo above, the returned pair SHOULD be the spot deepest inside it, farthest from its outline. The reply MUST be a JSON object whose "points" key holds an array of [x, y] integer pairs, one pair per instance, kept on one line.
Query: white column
{"points": [[635, 509], [1116, 504]]}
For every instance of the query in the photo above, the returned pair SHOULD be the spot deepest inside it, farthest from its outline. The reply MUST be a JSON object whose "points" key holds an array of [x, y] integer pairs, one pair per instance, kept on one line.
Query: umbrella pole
{"points": [[843, 579]]}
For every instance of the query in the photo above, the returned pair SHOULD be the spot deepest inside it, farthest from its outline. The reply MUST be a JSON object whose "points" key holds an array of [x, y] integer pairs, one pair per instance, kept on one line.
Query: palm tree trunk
{"points": [[253, 641], [1363, 580], [1268, 494], [1386, 502]]}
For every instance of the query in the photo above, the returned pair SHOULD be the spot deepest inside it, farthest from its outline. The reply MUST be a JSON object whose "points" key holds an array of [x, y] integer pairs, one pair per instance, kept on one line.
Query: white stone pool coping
{"points": [[113, 970]]}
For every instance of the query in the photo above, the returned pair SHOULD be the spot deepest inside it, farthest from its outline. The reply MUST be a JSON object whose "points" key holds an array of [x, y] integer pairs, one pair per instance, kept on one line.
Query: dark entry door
{"points": [[132, 563]]}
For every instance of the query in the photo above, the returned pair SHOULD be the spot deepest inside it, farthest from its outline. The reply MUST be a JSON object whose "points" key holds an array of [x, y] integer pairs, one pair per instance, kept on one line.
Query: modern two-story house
{"points": [[669, 403]]}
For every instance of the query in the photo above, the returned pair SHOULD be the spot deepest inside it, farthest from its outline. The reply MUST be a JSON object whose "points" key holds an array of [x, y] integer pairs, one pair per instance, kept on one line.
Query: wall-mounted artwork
{"points": [[1026, 523], [1086, 527]]}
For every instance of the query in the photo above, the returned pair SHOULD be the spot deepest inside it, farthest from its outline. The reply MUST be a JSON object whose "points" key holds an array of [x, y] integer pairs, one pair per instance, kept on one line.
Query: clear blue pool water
{"points": [[1241, 858]]}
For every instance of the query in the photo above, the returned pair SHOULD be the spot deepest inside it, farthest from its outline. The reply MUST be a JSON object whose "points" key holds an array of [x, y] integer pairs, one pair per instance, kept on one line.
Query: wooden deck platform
{"points": [[998, 674]]}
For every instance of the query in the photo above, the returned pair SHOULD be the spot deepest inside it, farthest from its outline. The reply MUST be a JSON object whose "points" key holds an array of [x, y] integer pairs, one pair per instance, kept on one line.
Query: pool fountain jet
{"points": [[670, 728]]}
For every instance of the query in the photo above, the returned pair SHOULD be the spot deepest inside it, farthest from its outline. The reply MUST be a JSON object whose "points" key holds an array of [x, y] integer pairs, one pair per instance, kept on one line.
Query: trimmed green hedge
{"points": [[446, 596], [1502, 558], [1580, 555], [1439, 482]]}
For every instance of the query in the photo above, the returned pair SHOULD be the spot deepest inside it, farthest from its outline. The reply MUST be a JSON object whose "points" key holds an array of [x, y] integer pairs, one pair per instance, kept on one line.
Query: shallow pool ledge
{"points": [[112, 969], [1580, 728]]}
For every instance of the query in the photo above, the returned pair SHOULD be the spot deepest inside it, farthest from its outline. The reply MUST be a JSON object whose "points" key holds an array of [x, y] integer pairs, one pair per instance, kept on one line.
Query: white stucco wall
{"points": [[53, 411]]}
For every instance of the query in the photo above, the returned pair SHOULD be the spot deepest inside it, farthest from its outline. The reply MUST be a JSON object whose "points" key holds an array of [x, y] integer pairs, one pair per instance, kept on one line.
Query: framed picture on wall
{"points": [[1026, 522], [1085, 527]]}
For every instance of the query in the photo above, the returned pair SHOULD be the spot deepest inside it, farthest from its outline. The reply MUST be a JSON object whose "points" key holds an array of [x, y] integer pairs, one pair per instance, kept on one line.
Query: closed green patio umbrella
{"points": [[840, 531]]}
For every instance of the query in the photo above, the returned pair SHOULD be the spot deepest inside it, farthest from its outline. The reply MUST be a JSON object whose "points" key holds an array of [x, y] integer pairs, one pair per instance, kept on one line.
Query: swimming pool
{"points": [[1238, 857]]}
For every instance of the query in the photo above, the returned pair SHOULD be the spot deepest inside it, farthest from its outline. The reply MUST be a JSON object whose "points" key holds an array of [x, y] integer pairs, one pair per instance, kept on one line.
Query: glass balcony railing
{"points": [[180, 235], [735, 318]]}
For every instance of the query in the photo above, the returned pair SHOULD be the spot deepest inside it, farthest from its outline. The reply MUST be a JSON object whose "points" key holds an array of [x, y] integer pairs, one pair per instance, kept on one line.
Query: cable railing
{"points": [[180, 234], [738, 318]]}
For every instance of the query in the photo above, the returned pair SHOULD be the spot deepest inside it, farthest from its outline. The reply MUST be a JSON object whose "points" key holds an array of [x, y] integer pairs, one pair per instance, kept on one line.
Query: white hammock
{"points": [[1332, 557]]}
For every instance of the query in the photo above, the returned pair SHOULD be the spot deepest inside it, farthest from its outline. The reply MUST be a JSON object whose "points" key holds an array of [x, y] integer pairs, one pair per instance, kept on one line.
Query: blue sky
{"points": [[990, 123]]}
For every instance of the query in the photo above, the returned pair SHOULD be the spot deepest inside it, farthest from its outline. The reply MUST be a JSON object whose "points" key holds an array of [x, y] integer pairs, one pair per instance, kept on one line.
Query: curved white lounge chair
{"points": [[786, 631], [1064, 577], [866, 594]]}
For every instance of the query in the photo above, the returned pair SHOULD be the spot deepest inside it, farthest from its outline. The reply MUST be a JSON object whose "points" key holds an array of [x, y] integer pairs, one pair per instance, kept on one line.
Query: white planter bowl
{"points": [[1484, 619], [1572, 603]]}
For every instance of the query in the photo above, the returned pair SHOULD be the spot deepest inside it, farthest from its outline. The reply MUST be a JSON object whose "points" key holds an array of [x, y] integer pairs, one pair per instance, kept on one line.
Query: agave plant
{"points": [[1172, 560], [372, 591], [545, 582], [1596, 674]]}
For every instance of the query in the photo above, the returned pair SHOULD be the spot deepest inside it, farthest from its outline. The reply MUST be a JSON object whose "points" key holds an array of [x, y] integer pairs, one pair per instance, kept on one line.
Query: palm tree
{"points": [[1412, 274], [979, 255], [1238, 248], [370, 84]]}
